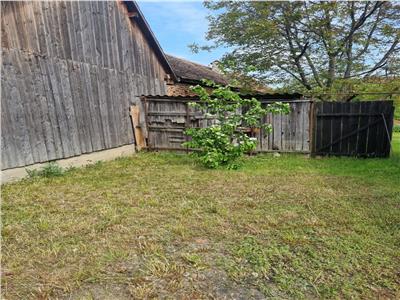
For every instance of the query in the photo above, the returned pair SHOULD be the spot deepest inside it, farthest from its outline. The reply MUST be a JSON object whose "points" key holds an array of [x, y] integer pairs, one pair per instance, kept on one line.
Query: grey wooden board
{"points": [[167, 121], [70, 72]]}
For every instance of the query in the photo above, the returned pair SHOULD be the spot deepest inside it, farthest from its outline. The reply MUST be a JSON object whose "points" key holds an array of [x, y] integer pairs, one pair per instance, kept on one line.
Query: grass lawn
{"points": [[159, 225]]}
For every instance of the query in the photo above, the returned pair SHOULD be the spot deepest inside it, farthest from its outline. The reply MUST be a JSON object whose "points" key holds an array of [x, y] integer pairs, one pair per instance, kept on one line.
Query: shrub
{"points": [[396, 128], [226, 140], [49, 170]]}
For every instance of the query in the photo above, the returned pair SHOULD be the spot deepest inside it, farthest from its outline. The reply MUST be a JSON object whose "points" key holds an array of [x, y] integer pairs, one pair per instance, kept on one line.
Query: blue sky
{"points": [[176, 24]]}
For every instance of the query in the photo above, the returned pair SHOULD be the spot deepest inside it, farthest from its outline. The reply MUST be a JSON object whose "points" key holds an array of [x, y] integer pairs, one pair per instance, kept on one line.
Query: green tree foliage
{"points": [[316, 44], [226, 140]]}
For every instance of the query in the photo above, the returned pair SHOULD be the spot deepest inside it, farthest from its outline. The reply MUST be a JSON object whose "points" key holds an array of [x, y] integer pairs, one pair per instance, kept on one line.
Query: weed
{"points": [[49, 170]]}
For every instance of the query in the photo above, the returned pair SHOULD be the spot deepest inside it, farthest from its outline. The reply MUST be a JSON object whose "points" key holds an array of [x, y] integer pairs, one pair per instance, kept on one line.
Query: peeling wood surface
{"points": [[140, 140]]}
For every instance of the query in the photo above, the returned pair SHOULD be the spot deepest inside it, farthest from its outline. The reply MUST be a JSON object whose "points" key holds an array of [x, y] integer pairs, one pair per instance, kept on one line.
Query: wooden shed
{"points": [[70, 71], [189, 73]]}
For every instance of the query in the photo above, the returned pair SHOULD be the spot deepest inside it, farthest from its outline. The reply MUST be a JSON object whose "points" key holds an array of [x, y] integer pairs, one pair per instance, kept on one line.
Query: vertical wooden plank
{"points": [[299, 124], [31, 27], [362, 135], [292, 125], [95, 99], [81, 114], [318, 126], [336, 127], [127, 96], [41, 113], [344, 144], [110, 107], [139, 137], [77, 27], [306, 126], [123, 107], [56, 31], [15, 103], [326, 137], [388, 115], [65, 40], [55, 84], [104, 112], [312, 127], [277, 132], [84, 17], [6, 41], [19, 20], [91, 33], [7, 145], [118, 30], [10, 153], [285, 137], [52, 114], [372, 130], [48, 28], [380, 129], [30, 105], [68, 106], [9, 26], [114, 104], [95, 128], [96, 17], [41, 29], [112, 37], [103, 17], [126, 55], [353, 122]]}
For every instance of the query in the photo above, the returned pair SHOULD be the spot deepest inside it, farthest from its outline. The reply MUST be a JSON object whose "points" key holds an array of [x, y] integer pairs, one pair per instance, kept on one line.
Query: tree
{"points": [[224, 141], [315, 44]]}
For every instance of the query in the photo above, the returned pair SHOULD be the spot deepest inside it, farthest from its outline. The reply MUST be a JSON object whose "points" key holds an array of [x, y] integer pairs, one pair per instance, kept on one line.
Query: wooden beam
{"points": [[139, 137]]}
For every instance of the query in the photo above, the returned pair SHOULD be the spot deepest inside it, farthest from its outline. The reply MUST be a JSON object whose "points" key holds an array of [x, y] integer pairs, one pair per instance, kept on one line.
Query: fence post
{"points": [[312, 122]]}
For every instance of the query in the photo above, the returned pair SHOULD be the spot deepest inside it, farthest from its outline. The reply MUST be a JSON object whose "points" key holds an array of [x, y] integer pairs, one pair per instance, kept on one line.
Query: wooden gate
{"points": [[353, 129], [168, 117]]}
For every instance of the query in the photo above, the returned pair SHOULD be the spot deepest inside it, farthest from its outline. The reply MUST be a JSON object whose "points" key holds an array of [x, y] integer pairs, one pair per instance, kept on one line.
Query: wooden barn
{"points": [[70, 72]]}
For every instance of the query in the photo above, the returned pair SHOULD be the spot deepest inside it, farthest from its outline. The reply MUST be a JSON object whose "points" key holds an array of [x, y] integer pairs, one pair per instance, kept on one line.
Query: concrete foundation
{"points": [[76, 161]]}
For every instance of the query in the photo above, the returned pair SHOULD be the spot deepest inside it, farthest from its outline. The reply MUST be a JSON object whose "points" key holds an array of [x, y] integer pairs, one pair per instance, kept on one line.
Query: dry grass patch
{"points": [[158, 225]]}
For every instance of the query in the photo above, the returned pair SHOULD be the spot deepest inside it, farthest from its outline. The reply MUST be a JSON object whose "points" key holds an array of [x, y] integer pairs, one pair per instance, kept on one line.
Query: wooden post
{"points": [[139, 137], [187, 125], [312, 132]]}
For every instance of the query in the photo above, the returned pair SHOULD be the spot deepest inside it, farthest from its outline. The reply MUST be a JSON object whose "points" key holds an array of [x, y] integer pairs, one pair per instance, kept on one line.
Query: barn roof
{"points": [[135, 14], [191, 72]]}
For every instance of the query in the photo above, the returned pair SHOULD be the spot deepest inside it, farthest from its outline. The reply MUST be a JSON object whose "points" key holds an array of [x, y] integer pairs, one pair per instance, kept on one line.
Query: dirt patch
{"points": [[100, 292]]}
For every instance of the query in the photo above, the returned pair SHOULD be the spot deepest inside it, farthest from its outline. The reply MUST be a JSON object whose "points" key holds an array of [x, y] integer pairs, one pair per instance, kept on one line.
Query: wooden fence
{"points": [[353, 129], [168, 117], [319, 128]]}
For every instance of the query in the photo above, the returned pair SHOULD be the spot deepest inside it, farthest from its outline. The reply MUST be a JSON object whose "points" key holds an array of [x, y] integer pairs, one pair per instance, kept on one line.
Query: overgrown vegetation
{"points": [[49, 170], [158, 225], [223, 142]]}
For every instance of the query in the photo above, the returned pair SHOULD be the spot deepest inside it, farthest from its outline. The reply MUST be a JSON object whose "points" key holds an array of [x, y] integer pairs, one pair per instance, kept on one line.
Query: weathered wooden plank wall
{"points": [[168, 117], [70, 71], [353, 129], [291, 132]]}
